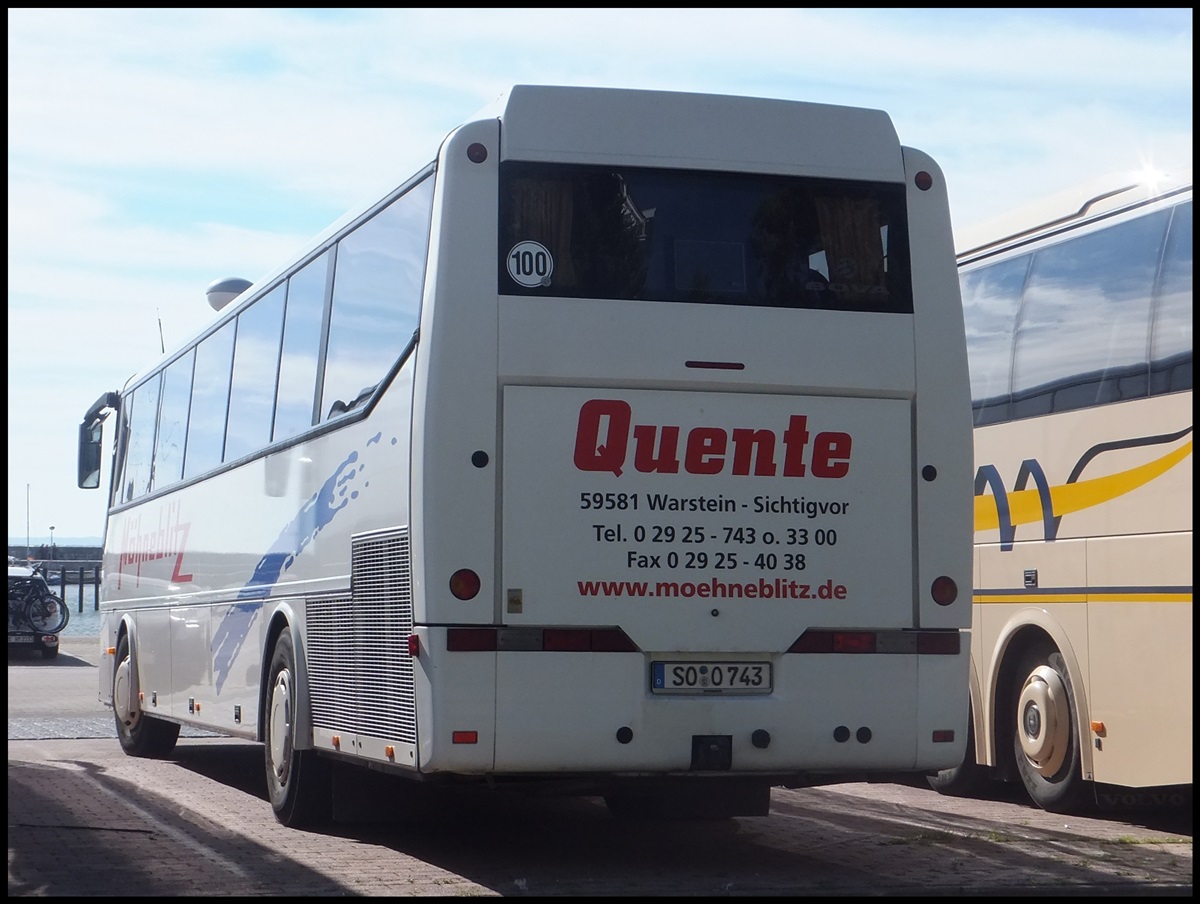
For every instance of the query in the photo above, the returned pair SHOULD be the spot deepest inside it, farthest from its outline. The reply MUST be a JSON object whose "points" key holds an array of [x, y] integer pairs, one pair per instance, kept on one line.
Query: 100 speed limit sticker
{"points": [[530, 264]]}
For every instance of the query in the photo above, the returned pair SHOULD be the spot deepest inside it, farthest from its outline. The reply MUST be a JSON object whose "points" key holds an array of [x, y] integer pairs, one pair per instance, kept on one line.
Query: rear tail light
{"points": [[937, 643], [593, 640], [612, 640], [834, 642], [464, 584], [944, 590], [946, 643], [472, 640], [566, 640], [531, 639]]}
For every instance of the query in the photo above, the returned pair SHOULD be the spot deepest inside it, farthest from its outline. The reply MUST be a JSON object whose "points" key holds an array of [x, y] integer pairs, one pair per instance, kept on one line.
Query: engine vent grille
{"points": [[360, 672]]}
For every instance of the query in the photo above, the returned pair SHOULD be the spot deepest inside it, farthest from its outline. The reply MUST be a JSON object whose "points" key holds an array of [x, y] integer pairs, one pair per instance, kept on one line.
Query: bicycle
{"points": [[33, 606]]}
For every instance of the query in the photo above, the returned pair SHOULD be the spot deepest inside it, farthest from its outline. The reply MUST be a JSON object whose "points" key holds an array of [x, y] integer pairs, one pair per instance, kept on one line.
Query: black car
{"points": [[32, 609]]}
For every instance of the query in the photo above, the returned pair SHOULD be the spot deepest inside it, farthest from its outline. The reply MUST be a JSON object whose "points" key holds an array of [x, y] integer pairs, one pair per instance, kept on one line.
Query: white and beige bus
{"points": [[624, 448], [1079, 336]]}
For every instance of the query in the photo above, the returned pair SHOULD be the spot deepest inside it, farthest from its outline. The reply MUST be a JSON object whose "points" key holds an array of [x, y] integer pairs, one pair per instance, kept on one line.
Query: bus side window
{"points": [[991, 296], [1111, 272], [301, 347], [255, 369], [379, 271], [1171, 341], [172, 421], [142, 418], [210, 398]]}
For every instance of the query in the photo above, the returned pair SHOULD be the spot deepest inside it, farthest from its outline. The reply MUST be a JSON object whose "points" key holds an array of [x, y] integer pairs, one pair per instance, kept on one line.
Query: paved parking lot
{"points": [[86, 820]]}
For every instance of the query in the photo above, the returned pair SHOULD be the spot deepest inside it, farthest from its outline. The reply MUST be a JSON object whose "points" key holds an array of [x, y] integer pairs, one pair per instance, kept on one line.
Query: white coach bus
{"points": [[625, 447], [1079, 335]]}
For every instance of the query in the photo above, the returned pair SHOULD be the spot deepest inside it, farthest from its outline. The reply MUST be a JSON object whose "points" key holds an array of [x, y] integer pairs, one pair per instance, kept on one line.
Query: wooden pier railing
{"points": [[70, 580]]}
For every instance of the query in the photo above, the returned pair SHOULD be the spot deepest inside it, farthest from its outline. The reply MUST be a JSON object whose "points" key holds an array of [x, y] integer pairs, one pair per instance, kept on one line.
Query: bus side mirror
{"points": [[89, 455]]}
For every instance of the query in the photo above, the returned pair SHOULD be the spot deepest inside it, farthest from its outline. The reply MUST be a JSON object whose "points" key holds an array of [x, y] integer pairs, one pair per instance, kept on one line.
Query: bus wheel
{"points": [[965, 779], [299, 782], [1045, 740], [139, 734]]}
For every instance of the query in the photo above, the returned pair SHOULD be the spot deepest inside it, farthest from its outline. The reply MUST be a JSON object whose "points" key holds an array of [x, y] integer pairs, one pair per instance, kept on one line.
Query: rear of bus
{"points": [[691, 451]]}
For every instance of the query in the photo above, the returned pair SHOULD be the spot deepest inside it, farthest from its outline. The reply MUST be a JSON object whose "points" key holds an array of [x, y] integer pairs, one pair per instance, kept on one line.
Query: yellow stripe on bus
{"points": [[1038, 598], [1025, 506]]}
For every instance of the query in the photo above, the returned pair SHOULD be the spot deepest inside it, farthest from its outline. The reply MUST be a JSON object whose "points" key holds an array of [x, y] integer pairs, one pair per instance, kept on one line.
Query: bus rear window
{"points": [[703, 237]]}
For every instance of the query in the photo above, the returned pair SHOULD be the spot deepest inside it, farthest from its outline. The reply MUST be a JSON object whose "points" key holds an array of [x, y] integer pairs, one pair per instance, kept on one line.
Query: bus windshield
{"points": [[703, 237]]}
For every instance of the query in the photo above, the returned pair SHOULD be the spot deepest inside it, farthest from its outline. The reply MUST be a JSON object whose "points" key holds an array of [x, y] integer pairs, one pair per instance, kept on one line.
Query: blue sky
{"points": [[153, 151]]}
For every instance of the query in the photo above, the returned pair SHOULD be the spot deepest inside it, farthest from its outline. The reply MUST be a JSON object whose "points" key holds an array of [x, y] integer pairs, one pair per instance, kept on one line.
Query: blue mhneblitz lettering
{"points": [[338, 491]]}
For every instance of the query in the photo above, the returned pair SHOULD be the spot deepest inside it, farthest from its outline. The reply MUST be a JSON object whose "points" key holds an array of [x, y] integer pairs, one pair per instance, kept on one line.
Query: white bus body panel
{"points": [[1132, 533], [784, 538], [201, 583], [500, 380], [655, 128]]}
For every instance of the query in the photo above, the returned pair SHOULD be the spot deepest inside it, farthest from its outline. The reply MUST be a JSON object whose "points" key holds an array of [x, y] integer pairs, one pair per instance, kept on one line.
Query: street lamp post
{"points": [[51, 542]]}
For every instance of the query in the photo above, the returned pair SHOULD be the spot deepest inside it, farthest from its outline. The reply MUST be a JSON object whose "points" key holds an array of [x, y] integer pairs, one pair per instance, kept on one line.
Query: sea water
{"points": [[84, 623]]}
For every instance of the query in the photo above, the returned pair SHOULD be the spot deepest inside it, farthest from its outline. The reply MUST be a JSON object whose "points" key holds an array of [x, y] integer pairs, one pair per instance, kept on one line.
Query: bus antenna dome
{"points": [[222, 291]]}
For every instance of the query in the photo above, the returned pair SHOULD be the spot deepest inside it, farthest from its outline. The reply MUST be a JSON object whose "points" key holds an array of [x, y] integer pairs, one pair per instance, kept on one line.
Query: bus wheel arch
{"points": [[299, 781], [278, 624], [1038, 725], [1027, 628], [139, 734]]}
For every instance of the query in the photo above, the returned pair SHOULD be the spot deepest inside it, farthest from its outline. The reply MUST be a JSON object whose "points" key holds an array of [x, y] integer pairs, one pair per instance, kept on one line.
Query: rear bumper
{"points": [[29, 641]]}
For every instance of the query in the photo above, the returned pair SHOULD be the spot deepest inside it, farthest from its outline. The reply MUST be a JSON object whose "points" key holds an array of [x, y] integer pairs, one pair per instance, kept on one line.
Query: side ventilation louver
{"points": [[360, 672]]}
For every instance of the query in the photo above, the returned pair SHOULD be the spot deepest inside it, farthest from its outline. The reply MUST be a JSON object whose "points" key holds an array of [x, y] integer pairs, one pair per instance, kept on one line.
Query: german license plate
{"points": [[20, 638], [710, 677]]}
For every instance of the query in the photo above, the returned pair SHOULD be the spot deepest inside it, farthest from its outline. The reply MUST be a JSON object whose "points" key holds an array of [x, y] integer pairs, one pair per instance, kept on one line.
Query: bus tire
{"points": [[1045, 741], [299, 782], [140, 735], [964, 780]]}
